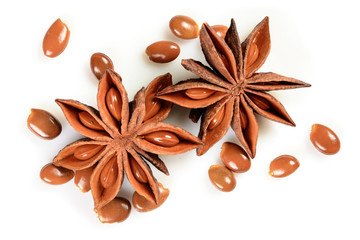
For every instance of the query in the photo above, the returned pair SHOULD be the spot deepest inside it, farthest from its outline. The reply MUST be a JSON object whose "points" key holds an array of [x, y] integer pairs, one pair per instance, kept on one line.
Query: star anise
{"points": [[121, 136], [230, 91]]}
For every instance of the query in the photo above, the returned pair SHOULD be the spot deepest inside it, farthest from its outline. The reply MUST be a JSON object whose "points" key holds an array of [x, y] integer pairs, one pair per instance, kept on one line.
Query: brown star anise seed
{"points": [[119, 140], [229, 91]]}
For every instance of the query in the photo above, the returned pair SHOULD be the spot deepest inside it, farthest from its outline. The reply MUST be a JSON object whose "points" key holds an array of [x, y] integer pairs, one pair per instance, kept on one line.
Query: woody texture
{"points": [[229, 91], [121, 138]]}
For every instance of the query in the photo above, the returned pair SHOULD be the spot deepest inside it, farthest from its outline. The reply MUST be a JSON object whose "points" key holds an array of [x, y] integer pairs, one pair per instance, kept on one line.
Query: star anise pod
{"points": [[229, 91], [119, 139]]}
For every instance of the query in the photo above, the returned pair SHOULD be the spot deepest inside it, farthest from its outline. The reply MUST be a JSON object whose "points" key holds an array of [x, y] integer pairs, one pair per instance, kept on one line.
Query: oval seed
{"points": [[162, 138], [82, 178], [109, 173], [152, 106], [253, 54], [199, 93], [234, 157], [222, 178], [220, 30], [43, 124], [114, 103], [56, 39], [141, 204], [117, 210], [184, 27], [55, 175], [283, 166], [137, 171], [217, 119], [259, 101], [163, 51], [89, 121], [324, 139], [99, 62], [87, 151]]}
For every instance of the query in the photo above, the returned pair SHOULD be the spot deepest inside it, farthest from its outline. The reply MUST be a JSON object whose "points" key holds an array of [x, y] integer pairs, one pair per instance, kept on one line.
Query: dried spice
{"points": [[229, 92], [118, 138]]}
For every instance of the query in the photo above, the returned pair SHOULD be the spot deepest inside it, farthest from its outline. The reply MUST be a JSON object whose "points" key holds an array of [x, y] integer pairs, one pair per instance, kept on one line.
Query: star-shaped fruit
{"points": [[121, 136], [230, 91]]}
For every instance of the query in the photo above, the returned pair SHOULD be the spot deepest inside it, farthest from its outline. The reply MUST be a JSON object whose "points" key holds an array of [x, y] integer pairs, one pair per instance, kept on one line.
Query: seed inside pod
{"points": [[141, 204], [220, 30], [163, 51], [253, 54], [116, 210], [43, 124], [82, 178], [87, 151], [283, 166], [89, 121], [234, 157], [137, 171], [222, 178], [99, 62], [259, 101], [56, 39], [199, 93], [113, 103], [162, 138], [217, 119], [55, 175], [324, 139], [109, 173], [152, 106], [184, 27]]}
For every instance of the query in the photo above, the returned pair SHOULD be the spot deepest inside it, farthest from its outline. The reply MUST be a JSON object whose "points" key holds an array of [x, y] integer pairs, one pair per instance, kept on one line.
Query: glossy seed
{"points": [[217, 119], [109, 173], [162, 138], [56, 39], [152, 106], [199, 93], [184, 27], [82, 178], [99, 62], [234, 157], [89, 121], [55, 175], [222, 178], [163, 51], [253, 54], [220, 30], [117, 210], [114, 103], [259, 101], [283, 166], [43, 124], [87, 151], [137, 171], [324, 139], [141, 204]]}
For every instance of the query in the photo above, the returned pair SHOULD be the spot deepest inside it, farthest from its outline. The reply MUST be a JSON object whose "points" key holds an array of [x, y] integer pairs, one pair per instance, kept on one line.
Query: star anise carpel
{"points": [[120, 138], [229, 92]]}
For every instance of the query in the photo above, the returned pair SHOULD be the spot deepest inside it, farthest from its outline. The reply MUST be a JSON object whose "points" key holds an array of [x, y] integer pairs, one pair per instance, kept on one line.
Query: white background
{"points": [[315, 41]]}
